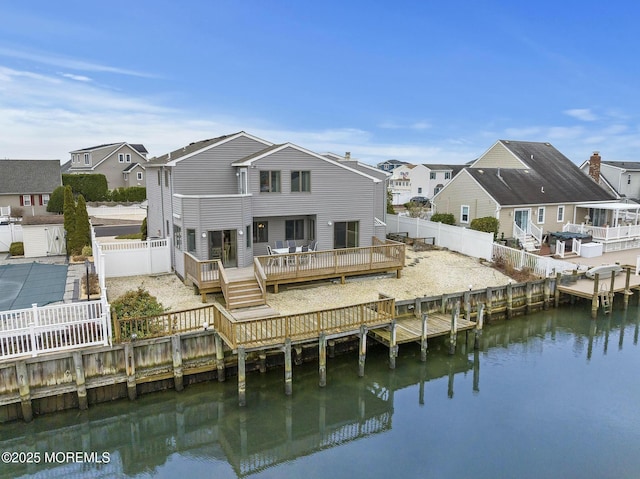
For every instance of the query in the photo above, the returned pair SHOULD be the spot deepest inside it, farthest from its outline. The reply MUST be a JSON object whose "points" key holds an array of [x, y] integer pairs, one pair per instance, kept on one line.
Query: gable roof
{"points": [[29, 176], [623, 165], [198, 146], [249, 160], [136, 146], [550, 178]]}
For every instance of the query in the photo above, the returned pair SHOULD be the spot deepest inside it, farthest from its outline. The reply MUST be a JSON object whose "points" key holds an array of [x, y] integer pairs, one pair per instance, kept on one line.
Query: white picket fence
{"points": [[463, 240], [37, 330], [132, 258], [541, 265]]}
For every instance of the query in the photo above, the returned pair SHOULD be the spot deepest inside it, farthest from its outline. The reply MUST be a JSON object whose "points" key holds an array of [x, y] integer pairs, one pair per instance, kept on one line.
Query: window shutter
{"points": [[40, 199], [33, 200], [21, 200]]}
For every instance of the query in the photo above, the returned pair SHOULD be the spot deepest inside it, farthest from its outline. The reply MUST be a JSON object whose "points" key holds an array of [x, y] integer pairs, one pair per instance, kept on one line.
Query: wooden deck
{"points": [[584, 288], [410, 329]]}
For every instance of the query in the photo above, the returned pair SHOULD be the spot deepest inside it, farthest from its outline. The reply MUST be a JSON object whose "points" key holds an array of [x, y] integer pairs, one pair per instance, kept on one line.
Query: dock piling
{"points": [[176, 355], [479, 324], [627, 291], [322, 345], [131, 371], [25, 393], [423, 338], [363, 350], [393, 346], [594, 299], [288, 386], [454, 327], [242, 381], [80, 384], [219, 357], [509, 300]]}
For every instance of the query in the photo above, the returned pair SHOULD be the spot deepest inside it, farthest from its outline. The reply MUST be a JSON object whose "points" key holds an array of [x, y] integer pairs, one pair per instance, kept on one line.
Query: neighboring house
{"points": [[390, 165], [425, 180], [123, 164], [229, 197], [28, 184], [530, 187], [621, 178]]}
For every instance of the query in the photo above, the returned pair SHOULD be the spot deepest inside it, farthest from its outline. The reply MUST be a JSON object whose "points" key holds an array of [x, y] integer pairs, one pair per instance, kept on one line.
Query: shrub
{"points": [[17, 249], [87, 251], [82, 227], [446, 218], [56, 201], [143, 229], [488, 224], [137, 304], [94, 283], [133, 194], [92, 186]]}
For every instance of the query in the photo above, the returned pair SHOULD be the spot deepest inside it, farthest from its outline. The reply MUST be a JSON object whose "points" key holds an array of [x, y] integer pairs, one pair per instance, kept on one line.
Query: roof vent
{"points": [[532, 157]]}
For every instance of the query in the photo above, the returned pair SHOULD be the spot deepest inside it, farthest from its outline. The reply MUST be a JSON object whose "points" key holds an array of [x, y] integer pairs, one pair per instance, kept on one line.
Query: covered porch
{"points": [[615, 225]]}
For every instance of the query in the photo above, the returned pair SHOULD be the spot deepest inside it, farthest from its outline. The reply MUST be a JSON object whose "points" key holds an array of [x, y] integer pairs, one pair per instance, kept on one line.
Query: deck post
{"points": [[393, 347], [219, 357], [443, 306], [627, 291], [363, 350], [131, 371], [423, 338], [528, 292], [242, 381], [546, 293], [262, 362], [287, 367], [80, 384], [509, 300], [612, 291], [176, 355], [557, 290], [417, 307], [594, 298], [454, 326], [25, 392], [298, 357], [479, 320], [322, 345]]}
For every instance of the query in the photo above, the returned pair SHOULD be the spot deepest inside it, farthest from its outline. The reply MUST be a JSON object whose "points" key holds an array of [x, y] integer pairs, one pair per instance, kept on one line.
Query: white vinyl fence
{"points": [[116, 210], [132, 258], [36, 330], [463, 240], [10, 233], [541, 265]]}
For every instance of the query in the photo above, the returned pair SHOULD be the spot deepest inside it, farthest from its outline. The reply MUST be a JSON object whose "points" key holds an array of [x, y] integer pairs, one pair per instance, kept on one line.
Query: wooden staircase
{"points": [[244, 293]]}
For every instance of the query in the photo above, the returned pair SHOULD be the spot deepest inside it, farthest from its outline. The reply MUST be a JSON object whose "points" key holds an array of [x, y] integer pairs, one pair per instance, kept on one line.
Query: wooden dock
{"points": [[410, 329]]}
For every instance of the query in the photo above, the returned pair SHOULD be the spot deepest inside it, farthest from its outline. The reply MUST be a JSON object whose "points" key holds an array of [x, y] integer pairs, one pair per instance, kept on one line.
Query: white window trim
{"points": [[45, 199], [120, 158], [87, 159], [559, 217], [139, 175], [462, 207], [538, 210], [26, 200], [128, 158]]}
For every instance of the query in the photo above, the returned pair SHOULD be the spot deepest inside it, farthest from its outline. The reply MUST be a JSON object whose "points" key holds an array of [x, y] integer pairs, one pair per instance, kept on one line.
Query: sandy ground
{"points": [[426, 274]]}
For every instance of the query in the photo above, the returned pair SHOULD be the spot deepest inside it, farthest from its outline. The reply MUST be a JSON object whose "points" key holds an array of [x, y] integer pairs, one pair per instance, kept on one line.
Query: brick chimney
{"points": [[594, 166]]}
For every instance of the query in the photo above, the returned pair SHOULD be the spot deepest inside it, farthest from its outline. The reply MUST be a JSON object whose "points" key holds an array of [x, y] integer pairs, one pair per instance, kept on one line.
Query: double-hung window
{"points": [[300, 181], [270, 182], [464, 214]]}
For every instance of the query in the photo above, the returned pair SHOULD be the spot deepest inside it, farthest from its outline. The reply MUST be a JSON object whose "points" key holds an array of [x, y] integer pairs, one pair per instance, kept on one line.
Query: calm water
{"points": [[551, 395]]}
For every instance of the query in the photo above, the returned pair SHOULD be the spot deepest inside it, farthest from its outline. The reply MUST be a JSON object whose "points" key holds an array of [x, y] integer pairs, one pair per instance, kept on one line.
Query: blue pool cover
{"points": [[21, 285]]}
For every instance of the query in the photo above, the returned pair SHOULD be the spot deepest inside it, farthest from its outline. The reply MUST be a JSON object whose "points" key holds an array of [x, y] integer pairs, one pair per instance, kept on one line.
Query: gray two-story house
{"points": [[229, 197]]}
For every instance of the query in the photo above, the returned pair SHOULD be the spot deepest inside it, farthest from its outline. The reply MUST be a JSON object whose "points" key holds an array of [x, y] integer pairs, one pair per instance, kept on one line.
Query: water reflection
{"points": [[205, 424]]}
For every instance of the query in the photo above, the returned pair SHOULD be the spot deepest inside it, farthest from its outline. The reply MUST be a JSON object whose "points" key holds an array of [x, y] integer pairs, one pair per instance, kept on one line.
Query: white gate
{"points": [[55, 240]]}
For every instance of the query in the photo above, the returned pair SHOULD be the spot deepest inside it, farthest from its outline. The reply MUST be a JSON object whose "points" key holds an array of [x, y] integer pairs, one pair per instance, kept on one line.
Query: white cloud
{"points": [[583, 114], [71, 76]]}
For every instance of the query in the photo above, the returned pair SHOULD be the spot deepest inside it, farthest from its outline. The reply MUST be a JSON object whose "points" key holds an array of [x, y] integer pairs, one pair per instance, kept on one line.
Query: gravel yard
{"points": [[426, 273]]}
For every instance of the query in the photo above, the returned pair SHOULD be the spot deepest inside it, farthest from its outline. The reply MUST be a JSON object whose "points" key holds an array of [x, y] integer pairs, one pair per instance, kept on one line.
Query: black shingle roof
{"points": [[190, 148], [551, 178], [29, 176], [625, 165]]}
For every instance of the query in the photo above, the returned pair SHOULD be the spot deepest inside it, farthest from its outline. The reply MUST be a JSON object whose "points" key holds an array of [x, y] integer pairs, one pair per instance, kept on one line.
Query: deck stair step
{"points": [[243, 294]]}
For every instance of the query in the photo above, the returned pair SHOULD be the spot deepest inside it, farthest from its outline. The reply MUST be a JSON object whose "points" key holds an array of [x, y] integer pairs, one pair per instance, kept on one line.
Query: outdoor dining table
{"points": [[284, 251]]}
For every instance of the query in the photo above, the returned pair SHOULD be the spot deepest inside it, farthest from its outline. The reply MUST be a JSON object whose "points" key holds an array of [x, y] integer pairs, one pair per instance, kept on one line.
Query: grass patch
{"points": [[132, 236]]}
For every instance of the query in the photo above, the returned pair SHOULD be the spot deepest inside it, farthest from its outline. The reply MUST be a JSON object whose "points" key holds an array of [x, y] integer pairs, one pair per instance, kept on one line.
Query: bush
{"points": [[133, 194], [92, 186], [488, 224], [17, 249], [87, 251], [136, 304], [56, 201], [446, 218], [82, 228], [143, 229]]}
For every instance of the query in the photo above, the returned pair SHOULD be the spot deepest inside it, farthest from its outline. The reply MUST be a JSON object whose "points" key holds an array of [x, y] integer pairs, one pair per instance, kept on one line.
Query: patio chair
{"points": [[291, 244], [279, 244], [313, 246], [291, 260], [271, 261], [304, 259]]}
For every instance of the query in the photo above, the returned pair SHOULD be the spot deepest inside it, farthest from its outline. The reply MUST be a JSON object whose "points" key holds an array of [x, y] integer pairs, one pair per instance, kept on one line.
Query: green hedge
{"points": [[16, 249], [133, 194], [92, 186], [488, 224], [446, 218]]}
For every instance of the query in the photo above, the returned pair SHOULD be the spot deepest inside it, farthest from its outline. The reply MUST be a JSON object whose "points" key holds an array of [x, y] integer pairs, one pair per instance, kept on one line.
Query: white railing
{"points": [[576, 246], [542, 266], [519, 234], [604, 233], [132, 258], [36, 330], [536, 232], [560, 246]]}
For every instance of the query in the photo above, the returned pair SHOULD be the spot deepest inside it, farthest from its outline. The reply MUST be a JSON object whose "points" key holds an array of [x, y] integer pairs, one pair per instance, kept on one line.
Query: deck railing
{"points": [[303, 326], [604, 233], [261, 277], [37, 330], [542, 266], [332, 262], [204, 273]]}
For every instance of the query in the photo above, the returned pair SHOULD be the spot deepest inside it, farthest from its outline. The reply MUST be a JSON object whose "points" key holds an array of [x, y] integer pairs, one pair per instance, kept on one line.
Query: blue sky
{"points": [[423, 81]]}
